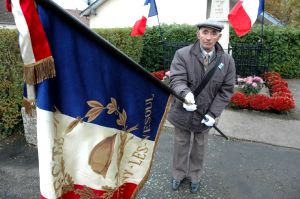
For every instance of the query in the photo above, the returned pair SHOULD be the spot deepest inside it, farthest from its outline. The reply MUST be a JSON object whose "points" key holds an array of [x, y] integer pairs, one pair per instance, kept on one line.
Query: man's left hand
{"points": [[208, 120]]}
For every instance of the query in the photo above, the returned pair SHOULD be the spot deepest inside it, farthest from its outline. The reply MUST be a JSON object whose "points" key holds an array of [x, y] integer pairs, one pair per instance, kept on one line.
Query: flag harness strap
{"points": [[203, 84], [207, 78]]}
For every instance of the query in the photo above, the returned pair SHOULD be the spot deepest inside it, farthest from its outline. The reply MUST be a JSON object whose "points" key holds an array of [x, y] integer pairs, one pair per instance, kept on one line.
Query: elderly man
{"points": [[189, 67]]}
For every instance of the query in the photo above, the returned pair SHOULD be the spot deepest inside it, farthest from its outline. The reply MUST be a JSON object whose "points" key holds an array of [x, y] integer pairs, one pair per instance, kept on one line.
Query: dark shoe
{"points": [[175, 184], [195, 186]]}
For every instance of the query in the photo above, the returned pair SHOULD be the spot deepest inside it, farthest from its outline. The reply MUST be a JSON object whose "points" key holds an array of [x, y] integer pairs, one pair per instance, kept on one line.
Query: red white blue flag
{"points": [[140, 25], [34, 47], [244, 14], [99, 119]]}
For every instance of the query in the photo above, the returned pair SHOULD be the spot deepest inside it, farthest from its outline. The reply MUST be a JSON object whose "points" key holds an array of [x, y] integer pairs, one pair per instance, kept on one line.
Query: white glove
{"points": [[189, 98], [208, 121]]}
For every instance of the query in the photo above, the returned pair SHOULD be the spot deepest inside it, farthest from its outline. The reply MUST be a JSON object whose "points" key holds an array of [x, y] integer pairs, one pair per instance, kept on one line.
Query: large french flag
{"points": [[244, 14], [150, 10], [99, 119]]}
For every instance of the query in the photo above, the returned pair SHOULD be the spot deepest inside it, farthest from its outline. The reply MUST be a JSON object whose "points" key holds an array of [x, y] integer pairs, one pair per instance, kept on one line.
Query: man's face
{"points": [[208, 37]]}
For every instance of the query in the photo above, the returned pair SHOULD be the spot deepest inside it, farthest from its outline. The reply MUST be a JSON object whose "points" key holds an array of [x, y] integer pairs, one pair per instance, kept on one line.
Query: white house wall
{"points": [[124, 13], [71, 4]]}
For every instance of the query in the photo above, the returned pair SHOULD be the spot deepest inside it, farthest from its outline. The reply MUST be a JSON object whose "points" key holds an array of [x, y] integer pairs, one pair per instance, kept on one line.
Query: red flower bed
{"points": [[282, 103], [281, 98], [239, 100], [259, 102], [279, 82], [159, 74], [279, 88]]}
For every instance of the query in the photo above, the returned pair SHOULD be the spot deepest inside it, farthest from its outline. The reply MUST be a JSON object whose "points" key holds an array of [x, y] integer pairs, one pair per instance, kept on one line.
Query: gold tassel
{"points": [[39, 71], [29, 105]]}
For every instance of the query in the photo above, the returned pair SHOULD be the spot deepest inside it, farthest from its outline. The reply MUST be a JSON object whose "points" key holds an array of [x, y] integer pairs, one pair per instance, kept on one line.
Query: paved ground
{"points": [[267, 167], [18, 169], [233, 170]]}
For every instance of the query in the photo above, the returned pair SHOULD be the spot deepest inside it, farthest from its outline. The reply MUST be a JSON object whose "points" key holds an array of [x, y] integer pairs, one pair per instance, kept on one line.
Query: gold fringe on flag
{"points": [[39, 71], [29, 105]]}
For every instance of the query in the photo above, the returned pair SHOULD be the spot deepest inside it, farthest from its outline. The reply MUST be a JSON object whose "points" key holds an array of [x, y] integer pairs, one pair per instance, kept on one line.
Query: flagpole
{"points": [[262, 23], [160, 30], [161, 37], [108, 46]]}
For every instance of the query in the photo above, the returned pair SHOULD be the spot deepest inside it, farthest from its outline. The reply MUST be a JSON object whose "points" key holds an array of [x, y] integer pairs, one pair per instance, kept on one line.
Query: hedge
{"points": [[153, 55], [147, 50], [120, 38], [11, 84], [285, 47]]}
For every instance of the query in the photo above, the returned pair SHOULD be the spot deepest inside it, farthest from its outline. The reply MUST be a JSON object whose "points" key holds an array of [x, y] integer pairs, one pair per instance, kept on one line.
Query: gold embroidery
{"points": [[93, 113], [86, 193], [101, 155], [73, 124], [63, 182]]}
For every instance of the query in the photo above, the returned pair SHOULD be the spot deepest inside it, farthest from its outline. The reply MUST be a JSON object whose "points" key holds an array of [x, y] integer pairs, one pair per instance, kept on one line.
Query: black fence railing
{"points": [[169, 51], [250, 59]]}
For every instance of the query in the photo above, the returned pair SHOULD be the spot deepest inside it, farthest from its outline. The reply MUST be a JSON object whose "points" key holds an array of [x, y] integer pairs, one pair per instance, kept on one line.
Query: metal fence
{"points": [[169, 51], [250, 59]]}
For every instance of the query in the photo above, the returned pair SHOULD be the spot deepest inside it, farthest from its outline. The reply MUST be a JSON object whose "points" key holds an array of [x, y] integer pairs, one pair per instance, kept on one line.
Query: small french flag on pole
{"points": [[140, 25], [244, 14]]}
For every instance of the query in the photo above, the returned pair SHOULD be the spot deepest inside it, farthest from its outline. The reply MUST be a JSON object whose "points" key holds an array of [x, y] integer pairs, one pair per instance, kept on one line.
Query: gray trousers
{"points": [[189, 151]]}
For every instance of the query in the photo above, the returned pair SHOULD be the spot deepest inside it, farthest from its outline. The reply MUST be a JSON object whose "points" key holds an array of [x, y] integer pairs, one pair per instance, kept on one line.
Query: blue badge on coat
{"points": [[220, 65]]}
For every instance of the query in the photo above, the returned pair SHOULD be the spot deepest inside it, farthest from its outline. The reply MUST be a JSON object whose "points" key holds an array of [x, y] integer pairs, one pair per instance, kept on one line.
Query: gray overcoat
{"points": [[187, 71]]}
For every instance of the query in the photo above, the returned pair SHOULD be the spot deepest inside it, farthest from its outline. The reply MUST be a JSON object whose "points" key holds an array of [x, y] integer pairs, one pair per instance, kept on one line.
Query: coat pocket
{"points": [[216, 85]]}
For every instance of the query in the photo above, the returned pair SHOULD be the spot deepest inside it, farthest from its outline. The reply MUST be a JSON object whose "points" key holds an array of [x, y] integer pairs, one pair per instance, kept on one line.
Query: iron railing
{"points": [[169, 51], [250, 59]]}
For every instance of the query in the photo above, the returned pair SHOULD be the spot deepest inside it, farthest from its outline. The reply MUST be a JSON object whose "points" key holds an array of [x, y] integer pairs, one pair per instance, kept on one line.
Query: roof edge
{"points": [[91, 8]]}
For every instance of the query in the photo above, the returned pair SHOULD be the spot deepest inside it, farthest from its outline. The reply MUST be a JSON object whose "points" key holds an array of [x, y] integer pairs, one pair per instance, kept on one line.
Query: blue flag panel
{"points": [[87, 71]]}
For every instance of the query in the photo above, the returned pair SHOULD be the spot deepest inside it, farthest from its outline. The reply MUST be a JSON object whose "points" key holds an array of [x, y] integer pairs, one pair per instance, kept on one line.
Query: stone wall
{"points": [[29, 127]]}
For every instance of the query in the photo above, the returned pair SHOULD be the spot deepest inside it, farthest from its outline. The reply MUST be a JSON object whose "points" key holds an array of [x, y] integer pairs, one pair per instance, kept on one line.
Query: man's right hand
{"points": [[190, 102]]}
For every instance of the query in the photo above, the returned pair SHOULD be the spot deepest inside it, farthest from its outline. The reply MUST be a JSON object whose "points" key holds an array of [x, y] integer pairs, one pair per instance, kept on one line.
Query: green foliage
{"points": [[11, 84], [180, 33], [153, 52], [120, 38], [148, 51], [284, 43]]}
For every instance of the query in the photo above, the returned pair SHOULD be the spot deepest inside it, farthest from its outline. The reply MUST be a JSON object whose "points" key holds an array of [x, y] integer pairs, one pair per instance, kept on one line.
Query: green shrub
{"points": [[11, 84], [120, 38], [153, 51], [284, 43], [148, 51]]}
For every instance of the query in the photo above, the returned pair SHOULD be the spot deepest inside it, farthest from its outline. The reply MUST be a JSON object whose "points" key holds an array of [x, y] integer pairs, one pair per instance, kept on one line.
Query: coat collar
{"points": [[196, 49]]}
